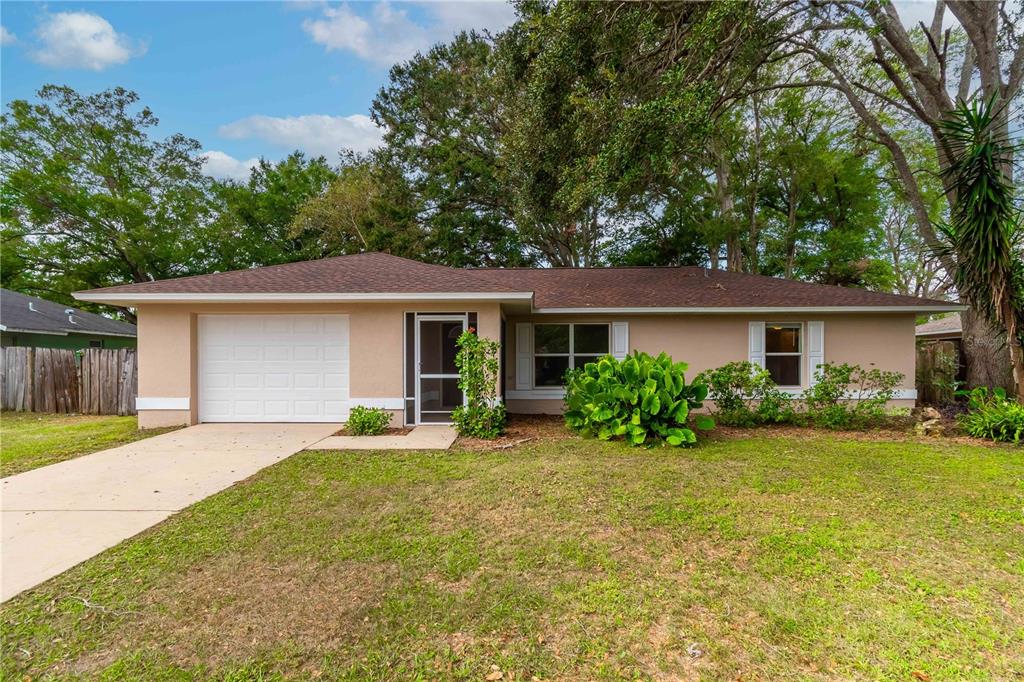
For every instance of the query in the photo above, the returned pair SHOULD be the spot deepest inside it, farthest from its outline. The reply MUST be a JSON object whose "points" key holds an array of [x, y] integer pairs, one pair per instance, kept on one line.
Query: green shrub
{"points": [[483, 415], [849, 396], [367, 421], [638, 399], [993, 415], [745, 395]]}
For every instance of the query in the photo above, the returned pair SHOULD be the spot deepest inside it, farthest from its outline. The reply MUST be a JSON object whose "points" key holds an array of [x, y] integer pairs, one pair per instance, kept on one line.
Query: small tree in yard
{"points": [[482, 416]]}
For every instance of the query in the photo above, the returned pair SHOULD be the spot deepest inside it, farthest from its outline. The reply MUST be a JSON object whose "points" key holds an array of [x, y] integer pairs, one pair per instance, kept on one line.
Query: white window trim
{"points": [[571, 354], [802, 352]]}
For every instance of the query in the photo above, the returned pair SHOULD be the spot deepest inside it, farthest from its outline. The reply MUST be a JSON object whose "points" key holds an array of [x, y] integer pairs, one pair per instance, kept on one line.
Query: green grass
{"points": [[29, 440], [764, 558]]}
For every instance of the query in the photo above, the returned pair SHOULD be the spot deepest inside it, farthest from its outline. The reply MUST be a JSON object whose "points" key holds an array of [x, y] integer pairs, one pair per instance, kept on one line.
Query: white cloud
{"points": [[82, 40], [6, 37], [388, 35], [226, 167], [315, 134]]}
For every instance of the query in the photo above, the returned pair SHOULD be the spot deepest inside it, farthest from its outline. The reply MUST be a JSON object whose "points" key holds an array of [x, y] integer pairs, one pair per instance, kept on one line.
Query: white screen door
{"points": [[437, 377]]}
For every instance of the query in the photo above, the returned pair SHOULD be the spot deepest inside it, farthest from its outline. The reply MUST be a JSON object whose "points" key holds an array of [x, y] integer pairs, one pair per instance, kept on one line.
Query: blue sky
{"points": [[246, 79]]}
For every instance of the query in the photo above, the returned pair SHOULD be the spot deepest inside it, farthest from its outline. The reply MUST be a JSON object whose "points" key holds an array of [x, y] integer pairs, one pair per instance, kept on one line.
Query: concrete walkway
{"points": [[430, 437], [57, 516]]}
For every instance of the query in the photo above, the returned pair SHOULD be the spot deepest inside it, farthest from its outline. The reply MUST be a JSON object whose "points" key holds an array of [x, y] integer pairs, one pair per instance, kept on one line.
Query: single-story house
{"points": [[307, 341], [36, 322]]}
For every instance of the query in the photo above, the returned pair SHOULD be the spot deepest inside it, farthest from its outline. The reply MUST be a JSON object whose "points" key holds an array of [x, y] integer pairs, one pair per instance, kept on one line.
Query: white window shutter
{"points": [[755, 345], [620, 340], [524, 356], [815, 349]]}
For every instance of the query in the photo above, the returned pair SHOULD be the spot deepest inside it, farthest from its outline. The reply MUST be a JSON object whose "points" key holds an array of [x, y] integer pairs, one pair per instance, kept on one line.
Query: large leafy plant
{"points": [[993, 415], [640, 399]]}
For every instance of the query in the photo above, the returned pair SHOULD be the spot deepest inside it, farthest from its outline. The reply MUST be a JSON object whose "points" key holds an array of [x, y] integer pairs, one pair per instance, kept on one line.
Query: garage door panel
{"points": [[273, 368]]}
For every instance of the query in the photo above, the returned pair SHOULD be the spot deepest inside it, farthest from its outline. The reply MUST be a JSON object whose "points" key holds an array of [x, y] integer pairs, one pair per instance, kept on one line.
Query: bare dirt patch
{"points": [[523, 429]]}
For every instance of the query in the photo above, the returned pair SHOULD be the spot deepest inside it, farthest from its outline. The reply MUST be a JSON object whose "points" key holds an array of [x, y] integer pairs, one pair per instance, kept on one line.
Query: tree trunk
{"points": [[985, 352], [790, 235], [726, 211], [1016, 352], [753, 236]]}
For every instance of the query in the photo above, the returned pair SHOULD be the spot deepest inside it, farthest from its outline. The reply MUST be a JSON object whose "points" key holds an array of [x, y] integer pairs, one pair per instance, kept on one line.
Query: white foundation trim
{"points": [[536, 394], [898, 394], [380, 403], [161, 403], [559, 394]]}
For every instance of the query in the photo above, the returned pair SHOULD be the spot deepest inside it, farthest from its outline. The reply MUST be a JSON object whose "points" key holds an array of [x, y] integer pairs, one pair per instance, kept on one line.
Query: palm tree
{"points": [[984, 232]]}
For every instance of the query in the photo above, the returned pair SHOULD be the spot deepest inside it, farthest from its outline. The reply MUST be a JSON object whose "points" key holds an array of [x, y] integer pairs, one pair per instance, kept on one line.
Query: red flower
{"points": [[471, 330]]}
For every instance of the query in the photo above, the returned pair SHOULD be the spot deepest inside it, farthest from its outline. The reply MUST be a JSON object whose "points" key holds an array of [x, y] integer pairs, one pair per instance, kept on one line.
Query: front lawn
{"points": [[755, 558], [29, 440]]}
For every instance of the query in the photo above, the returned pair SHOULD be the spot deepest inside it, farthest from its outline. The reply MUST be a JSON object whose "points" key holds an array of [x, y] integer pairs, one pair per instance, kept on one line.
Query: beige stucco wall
{"points": [[885, 341], [168, 347]]}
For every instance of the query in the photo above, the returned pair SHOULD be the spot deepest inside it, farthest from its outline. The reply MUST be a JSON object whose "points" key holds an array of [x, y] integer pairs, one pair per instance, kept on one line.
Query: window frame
{"points": [[799, 354], [571, 355]]}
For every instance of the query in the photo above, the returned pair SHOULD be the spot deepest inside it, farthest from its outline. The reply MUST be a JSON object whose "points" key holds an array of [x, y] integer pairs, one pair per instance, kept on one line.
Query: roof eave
{"points": [[131, 299], [727, 310]]}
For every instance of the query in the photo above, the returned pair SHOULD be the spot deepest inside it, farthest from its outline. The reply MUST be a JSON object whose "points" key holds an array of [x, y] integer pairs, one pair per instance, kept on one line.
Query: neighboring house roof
{"points": [[21, 313], [948, 326], [377, 276]]}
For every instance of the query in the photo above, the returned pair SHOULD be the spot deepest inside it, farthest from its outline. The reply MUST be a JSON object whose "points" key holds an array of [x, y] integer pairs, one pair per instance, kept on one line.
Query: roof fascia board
{"points": [[22, 330], [946, 332], [299, 298], [752, 310], [88, 332]]}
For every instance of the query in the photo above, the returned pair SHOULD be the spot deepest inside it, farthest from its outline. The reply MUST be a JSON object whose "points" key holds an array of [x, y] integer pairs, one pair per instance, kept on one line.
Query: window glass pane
{"points": [[785, 369], [549, 371], [779, 339], [590, 338], [551, 338], [581, 360]]}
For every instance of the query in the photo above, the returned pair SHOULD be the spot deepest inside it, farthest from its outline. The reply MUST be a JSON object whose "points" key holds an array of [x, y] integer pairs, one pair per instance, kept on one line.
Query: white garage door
{"points": [[273, 368]]}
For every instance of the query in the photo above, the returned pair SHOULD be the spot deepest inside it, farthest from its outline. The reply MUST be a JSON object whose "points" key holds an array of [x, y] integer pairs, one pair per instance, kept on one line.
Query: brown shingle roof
{"points": [[357, 273], [685, 287], [552, 288]]}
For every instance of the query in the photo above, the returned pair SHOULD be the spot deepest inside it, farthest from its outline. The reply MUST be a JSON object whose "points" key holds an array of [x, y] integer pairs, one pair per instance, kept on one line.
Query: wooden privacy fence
{"points": [[92, 381], [938, 369]]}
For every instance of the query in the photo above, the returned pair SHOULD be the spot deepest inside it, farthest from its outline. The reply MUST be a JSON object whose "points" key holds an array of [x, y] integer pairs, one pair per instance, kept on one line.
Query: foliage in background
{"points": [[254, 218], [993, 415], [483, 414], [367, 421], [89, 199], [640, 398], [745, 395], [354, 214], [846, 396], [984, 232], [443, 114]]}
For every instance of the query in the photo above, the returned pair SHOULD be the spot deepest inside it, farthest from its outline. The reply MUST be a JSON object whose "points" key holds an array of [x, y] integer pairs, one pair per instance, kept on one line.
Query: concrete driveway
{"points": [[60, 515]]}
